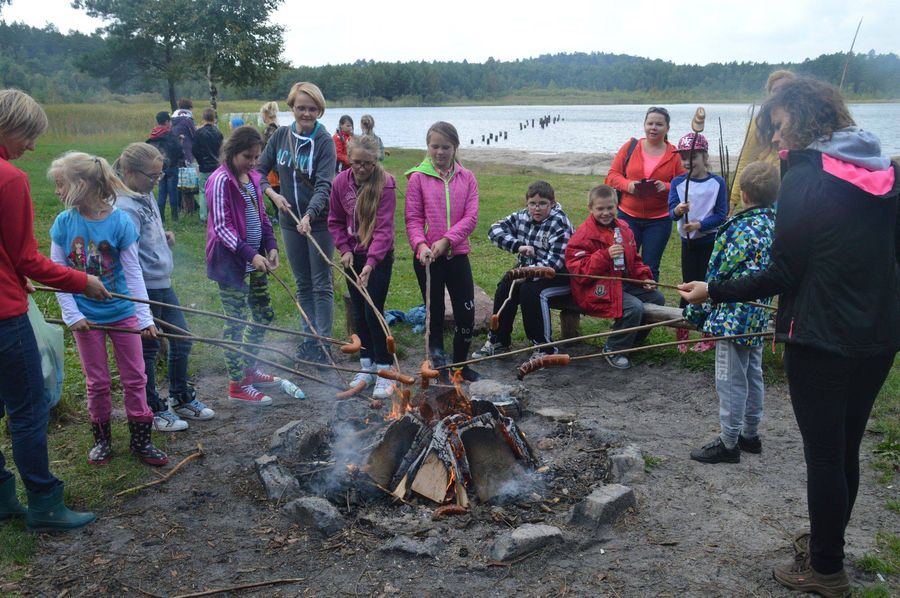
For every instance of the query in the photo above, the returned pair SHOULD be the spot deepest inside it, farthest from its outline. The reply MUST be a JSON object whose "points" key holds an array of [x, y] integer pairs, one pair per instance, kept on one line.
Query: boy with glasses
{"points": [[538, 236]]}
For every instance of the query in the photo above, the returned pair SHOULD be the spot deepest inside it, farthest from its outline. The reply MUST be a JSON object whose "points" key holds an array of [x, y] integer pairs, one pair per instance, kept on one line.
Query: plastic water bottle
{"points": [[619, 260], [291, 389]]}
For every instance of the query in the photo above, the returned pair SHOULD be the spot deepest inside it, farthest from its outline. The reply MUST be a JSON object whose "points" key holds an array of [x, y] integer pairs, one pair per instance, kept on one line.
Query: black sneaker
{"points": [[716, 452], [750, 445]]}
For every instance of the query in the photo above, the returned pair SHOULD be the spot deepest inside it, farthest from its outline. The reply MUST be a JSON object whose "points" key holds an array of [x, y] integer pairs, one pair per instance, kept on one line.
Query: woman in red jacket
{"points": [[643, 181], [22, 120]]}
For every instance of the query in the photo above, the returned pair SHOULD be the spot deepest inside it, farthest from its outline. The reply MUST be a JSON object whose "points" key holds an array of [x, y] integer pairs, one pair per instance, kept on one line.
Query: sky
{"points": [[319, 33]]}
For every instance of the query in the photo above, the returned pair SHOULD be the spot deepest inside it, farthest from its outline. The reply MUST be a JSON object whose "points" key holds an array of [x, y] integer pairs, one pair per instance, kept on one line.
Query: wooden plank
{"points": [[432, 479]]}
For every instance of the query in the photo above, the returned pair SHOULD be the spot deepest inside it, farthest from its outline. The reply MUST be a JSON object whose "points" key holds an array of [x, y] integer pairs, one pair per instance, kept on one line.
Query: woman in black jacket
{"points": [[835, 268]]}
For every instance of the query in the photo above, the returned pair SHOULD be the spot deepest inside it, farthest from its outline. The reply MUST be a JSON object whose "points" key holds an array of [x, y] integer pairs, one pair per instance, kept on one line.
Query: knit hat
{"points": [[684, 144]]}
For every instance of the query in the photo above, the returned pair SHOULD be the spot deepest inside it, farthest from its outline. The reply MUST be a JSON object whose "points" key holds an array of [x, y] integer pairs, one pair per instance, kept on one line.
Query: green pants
{"points": [[201, 199], [235, 302]]}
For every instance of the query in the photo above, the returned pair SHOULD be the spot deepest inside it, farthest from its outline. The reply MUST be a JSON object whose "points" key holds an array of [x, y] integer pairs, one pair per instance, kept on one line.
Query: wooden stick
{"points": [[427, 307], [204, 312], [196, 455], [674, 343], [512, 288], [563, 342], [246, 586]]}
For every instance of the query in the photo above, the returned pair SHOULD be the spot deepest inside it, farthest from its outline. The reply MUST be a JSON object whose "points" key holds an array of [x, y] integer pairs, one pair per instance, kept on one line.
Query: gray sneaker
{"points": [[489, 349], [166, 421], [620, 362], [188, 406]]}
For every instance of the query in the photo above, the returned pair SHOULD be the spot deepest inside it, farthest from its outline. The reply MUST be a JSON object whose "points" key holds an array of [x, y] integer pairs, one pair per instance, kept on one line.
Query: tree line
{"points": [[132, 57]]}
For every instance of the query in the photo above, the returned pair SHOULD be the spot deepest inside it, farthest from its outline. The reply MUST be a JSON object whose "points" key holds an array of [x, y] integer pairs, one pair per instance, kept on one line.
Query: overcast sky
{"points": [[326, 32]]}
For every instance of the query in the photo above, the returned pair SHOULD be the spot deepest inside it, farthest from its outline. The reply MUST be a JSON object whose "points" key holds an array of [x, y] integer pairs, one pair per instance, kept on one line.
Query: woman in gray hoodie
{"points": [[303, 154]]}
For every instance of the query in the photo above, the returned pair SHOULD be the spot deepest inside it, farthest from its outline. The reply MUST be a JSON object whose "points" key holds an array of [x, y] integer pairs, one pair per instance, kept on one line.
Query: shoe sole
{"points": [[151, 461], [100, 462], [714, 461], [58, 528], [198, 418], [811, 586], [170, 429], [246, 402]]}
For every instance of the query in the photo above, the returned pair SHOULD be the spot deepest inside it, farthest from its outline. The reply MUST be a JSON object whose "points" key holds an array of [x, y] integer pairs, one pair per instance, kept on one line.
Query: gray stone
{"points": [[430, 547], [555, 414], [278, 482], [493, 390], [315, 513], [626, 465], [484, 306], [603, 505], [297, 440], [524, 539]]}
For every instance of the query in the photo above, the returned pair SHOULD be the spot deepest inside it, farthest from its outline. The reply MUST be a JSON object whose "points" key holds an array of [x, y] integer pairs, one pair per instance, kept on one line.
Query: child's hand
{"points": [[424, 254], [694, 292], [440, 247], [170, 238], [259, 263], [273, 259], [692, 226], [347, 259], [364, 276], [526, 250], [650, 285], [95, 289], [80, 326], [149, 332], [681, 209], [279, 200], [616, 250], [303, 228]]}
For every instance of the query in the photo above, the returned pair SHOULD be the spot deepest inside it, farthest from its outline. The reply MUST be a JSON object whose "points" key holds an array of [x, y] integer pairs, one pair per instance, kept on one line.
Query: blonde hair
{"points": [[777, 77], [368, 195], [269, 112], [310, 89], [367, 123], [135, 157], [601, 191], [760, 181], [89, 181], [21, 117], [449, 133]]}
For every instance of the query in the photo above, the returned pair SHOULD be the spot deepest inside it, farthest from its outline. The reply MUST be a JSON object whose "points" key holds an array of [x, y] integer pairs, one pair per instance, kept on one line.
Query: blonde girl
{"points": [[367, 124], [87, 187]]}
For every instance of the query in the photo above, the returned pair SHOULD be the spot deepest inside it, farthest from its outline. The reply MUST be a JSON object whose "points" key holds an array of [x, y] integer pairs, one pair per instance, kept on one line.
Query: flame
{"points": [[450, 481], [352, 468], [399, 403]]}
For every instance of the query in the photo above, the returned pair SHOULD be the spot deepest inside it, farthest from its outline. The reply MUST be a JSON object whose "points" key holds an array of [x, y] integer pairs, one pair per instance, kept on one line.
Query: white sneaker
{"points": [[190, 409], [383, 386], [366, 375], [167, 421], [490, 348]]}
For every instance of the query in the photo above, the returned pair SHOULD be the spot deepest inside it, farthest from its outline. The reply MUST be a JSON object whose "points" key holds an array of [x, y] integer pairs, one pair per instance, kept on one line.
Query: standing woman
{"points": [[361, 220], [834, 263], [303, 155], [643, 181], [22, 120], [342, 137], [441, 213]]}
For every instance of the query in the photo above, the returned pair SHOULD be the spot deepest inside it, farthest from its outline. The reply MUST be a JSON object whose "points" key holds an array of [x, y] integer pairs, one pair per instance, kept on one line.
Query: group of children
{"points": [[344, 133]]}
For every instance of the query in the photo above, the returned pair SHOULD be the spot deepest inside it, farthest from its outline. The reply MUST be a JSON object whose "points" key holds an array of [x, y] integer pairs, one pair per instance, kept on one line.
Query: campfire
{"points": [[445, 447]]}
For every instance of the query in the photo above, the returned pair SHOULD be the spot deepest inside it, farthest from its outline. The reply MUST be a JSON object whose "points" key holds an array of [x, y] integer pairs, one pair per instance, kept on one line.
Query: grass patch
{"points": [[651, 462], [886, 560]]}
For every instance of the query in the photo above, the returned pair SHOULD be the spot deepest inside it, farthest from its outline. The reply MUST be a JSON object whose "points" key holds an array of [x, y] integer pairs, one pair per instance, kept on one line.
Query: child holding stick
{"points": [[538, 236], [705, 202], [741, 247], [240, 250], [87, 186], [139, 166], [604, 245]]}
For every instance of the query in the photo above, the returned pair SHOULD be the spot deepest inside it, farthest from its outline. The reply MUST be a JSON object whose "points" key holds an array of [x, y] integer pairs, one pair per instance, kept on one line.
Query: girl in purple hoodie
{"points": [[441, 213], [361, 221]]}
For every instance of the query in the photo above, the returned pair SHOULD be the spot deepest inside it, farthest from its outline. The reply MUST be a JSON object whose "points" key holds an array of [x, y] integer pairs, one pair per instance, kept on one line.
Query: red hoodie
{"points": [[19, 257]]}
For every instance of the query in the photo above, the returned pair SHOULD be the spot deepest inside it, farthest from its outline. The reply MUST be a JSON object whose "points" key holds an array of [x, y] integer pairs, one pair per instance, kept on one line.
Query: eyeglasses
{"points": [[153, 177], [362, 163], [306, 109], [541, 205]]}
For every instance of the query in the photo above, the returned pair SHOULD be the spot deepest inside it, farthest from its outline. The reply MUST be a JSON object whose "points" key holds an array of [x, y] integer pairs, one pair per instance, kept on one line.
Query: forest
{"points": [[60, 68]]}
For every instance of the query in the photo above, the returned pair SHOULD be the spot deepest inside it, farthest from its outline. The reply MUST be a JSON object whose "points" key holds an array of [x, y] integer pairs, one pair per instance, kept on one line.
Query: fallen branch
{"points": [[246, 586], [196, 455]]}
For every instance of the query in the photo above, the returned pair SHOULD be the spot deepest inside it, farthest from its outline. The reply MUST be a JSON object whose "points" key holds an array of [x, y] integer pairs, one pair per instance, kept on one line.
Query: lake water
{"points": [[593, 129]]}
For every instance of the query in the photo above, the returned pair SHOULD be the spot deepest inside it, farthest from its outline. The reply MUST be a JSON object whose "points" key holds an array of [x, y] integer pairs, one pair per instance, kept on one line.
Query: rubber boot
{"points": [[101, 452], [47, 511], [142, 446], [9, 502]]}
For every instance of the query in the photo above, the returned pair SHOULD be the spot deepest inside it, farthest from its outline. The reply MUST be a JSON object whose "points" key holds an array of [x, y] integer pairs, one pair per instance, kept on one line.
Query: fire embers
{"points": [[453, 447]]}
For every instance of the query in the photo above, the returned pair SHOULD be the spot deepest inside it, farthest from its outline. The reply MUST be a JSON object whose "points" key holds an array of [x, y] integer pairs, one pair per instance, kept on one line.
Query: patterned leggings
{"points": [[235, 301]]}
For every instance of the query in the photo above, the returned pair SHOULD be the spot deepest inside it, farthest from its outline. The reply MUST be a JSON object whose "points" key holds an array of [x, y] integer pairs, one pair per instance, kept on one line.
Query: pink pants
{"points": [[129, 359]]}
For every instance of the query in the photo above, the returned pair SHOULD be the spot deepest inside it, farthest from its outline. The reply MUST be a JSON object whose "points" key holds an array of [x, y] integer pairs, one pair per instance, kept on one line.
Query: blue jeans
{"points": [[168, 187], [651, 234], [315, 287], [739, 384], [179, 349], [22, 398]]}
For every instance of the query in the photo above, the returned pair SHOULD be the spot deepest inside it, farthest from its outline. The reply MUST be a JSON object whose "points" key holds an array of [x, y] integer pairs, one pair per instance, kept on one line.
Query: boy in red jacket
{"points": [[604, 245]]}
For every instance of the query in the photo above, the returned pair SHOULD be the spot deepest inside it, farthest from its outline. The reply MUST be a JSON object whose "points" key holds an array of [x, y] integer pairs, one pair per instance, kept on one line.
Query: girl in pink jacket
{"points": [[441, 213]]}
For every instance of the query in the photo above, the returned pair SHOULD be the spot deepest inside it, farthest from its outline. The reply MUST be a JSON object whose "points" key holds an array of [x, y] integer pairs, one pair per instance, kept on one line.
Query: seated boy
{"points": [[538, 236], [740, 248], [604, 245]]}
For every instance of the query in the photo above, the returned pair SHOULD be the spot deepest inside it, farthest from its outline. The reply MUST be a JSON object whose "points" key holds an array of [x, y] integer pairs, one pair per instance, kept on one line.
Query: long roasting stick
{"points": [[212, 314]]}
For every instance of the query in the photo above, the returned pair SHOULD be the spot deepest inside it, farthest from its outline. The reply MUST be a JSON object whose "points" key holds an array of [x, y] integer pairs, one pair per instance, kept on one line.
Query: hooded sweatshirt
{"points": [[305, 166], [161, 138], [834, 259], [153, 250], [437, 208]]}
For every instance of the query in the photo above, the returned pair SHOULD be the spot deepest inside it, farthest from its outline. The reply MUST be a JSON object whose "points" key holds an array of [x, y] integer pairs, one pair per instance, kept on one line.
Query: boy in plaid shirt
{"points": [[538, 236]]}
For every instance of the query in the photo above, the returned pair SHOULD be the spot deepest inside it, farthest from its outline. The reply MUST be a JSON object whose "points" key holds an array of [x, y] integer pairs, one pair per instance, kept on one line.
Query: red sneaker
{"points": [[245, 393], [259, 378], [682, 334]]}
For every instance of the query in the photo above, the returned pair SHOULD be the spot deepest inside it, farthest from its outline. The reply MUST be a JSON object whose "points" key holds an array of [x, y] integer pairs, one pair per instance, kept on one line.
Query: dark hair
{"points": [[162, 117], [665, 115], [185, 104], [604, 191], [760, 181], [209, 115], [240, 140], [346, 118], [816, 110], [541, 188]]}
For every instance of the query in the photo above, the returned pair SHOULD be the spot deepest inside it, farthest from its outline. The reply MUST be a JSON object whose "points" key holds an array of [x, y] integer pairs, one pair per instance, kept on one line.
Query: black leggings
{"points": [[832, 396], [694, 261], [456, 275], [368, 326]]}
